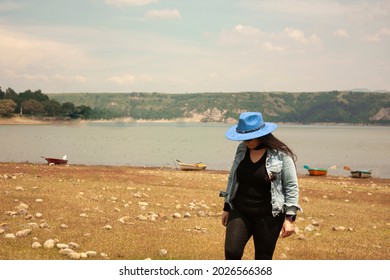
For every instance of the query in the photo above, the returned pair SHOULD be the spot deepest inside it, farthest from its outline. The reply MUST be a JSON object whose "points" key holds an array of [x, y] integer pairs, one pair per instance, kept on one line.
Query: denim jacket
{"points": [[284, 189]]}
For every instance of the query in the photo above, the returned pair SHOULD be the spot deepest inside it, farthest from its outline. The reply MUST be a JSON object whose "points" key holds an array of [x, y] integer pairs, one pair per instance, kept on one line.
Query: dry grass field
{"points": [[135, 213]]}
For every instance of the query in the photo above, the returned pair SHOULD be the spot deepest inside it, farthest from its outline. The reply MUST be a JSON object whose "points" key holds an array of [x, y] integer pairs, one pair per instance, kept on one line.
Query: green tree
{"points": [[83, 112], [7, 107], [11, 94], [52, 108], [2, 94], [68, 109], [32, 107]]}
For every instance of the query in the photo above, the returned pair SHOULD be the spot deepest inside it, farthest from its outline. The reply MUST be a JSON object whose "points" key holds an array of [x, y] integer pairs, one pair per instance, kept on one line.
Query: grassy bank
{"points": [[139, 213]]}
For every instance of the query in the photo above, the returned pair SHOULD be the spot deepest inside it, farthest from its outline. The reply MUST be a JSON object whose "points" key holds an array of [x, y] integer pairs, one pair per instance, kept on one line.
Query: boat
{"points": [[317, 171], [191, 166], [361, 173], [52, 161], [358, 173]]}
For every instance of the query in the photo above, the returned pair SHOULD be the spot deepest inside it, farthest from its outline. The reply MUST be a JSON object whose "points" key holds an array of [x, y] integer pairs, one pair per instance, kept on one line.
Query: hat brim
{"points": [[232, 134]]}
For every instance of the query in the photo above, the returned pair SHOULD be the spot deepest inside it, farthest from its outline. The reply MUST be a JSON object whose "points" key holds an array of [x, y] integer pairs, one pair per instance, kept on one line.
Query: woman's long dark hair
{"points": [[270, 141]]}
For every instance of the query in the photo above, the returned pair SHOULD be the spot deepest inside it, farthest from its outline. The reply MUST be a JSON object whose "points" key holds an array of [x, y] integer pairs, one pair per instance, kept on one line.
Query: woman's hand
{"points": [[288, 228], [225, 216]]}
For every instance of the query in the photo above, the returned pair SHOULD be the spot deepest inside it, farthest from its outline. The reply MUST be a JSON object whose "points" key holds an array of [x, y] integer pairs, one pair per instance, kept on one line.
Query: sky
{"points": [[183, 46]]}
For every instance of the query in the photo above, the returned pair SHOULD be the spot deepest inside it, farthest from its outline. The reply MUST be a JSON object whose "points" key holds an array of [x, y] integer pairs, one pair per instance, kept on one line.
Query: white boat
{"points": [[358, 173], [361, 173], [191, 166]]}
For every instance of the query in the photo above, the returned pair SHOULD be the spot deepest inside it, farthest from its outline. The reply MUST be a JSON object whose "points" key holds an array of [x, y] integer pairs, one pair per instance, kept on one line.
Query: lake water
{"points": [[160, 144]]}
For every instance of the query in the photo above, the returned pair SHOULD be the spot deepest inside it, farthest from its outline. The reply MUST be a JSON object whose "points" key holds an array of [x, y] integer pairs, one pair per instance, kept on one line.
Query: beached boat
{"points": [[63, 160], [361, 173], [358, 173], [317, 171], [191, 166]]}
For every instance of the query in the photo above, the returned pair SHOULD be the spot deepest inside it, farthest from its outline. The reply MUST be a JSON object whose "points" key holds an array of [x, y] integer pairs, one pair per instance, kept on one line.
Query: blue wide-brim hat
{"points": [[250, 125]]}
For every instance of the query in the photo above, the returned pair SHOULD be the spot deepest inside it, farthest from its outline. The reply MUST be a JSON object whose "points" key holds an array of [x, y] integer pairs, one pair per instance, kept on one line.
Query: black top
{"points": [[254, 192]]}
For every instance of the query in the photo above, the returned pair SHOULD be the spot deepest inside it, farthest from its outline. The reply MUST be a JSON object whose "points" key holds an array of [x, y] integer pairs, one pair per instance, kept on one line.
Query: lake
{"points": [[160, 144]]}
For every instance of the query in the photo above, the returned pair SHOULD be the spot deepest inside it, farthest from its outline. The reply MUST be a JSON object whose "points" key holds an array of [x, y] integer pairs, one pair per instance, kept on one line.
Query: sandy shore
{"points": [[113, 210]]}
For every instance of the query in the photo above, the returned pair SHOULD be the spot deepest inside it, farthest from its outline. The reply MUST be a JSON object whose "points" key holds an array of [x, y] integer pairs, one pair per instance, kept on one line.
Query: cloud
{"points": [[163, 14], [380, 35], [270, 47], [247, 30], [341, 33], [238, 35], [120, 3], [299, 36], [18, 50], [129, 79]]}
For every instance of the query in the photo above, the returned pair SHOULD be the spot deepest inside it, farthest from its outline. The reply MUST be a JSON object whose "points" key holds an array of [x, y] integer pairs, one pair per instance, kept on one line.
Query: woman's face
{"points": [[252, 143]]}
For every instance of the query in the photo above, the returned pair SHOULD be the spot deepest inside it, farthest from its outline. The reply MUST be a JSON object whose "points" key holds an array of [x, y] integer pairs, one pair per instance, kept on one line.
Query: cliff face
{"points": [[382, 115]]}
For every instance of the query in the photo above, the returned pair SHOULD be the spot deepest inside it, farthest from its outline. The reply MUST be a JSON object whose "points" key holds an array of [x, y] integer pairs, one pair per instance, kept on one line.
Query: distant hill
{"points": [[357, 107]]}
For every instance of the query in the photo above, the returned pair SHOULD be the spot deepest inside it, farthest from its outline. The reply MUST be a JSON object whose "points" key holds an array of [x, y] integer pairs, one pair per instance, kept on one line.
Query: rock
{"points": [[339, 228], [301, 237], [32, 225], [11, 213], [142, 218], [73, 245], [104, 256], [49, 244], [201, 213], [125, 220], [91, 253], [176, 215], [315, 223], [44, 225], [309, 228], [187, 215], [74, 256], [22, 206], [23, 233], [38, 215], [39, 200], [36, 245], [163, 252], [62, 246], [107, 227], [10, 236], [66, 251], [64, 226]]}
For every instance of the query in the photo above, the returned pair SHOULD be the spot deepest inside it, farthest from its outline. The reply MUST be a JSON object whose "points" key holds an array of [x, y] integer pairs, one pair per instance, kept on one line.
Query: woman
{"points": [[261, 197]]}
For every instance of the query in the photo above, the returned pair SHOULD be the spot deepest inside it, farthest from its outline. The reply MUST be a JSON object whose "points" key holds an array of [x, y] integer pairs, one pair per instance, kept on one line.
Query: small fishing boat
{"points": [[52, 161], [318, 171], [191, 166], [358, 173], [361, 173]]}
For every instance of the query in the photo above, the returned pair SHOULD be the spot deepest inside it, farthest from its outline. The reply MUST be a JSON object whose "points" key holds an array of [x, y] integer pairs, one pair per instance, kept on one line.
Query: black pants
{"points": [[240, 228]]}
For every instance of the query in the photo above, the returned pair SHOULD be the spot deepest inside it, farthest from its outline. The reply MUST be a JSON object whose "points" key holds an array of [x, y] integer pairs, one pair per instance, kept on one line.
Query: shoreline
{"points": [[21, 120], [194, 172]]}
